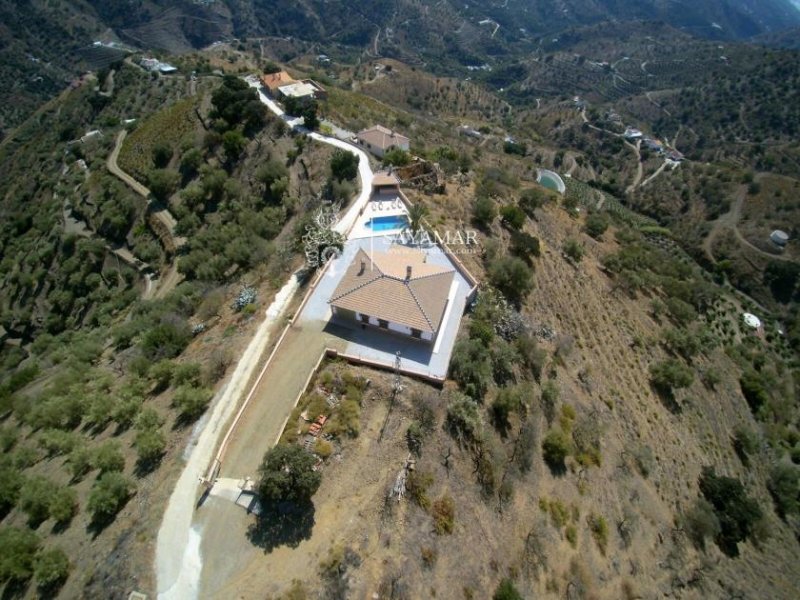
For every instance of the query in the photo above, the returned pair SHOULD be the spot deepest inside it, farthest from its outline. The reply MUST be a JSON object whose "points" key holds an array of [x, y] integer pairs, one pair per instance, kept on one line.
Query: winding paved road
{"points": [[178, 560]]}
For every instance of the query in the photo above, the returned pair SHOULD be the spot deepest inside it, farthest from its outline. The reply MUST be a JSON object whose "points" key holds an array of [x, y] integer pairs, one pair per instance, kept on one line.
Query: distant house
{"points": [[654, 145], [397, 291], [674, 155], [779, 238], [379, 140], [631, 133], [155, 65], [303, 90], [468, 131], [273, 81]]}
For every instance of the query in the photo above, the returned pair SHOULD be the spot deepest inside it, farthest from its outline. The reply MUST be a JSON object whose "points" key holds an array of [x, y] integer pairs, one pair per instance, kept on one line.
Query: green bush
{"points": [[506, 591], [745, 443], [287, 474], [700, 523], [599, 528], [108, 457], [150, 446], [669, 375], [63, 504], [738, 514], [109, 494], [471, 367], [512, 276], [555, 448], [513, 216], [573, 249], [463, 419], [11, 481], [191, 401], [34, 499], [484, 212], [344, 165], [784, 485], [18, 549], [754, 389], [51, 568], [417, 484], [596, 224]]}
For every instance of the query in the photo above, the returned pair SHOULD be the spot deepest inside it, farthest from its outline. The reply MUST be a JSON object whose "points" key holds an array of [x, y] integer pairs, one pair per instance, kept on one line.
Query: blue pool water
{"points": [[388, 223]]}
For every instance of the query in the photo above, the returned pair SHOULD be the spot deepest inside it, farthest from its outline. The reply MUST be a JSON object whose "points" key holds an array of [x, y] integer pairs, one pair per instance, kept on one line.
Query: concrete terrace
{"points": [[376, 345]]}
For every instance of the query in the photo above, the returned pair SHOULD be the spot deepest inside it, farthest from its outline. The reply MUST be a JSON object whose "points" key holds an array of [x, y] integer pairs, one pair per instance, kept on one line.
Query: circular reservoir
{"points": [[551, 180]]}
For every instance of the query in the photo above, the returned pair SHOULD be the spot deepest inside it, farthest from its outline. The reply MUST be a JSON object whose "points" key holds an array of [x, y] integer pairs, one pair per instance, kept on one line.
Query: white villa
{"points": [[396, 290]]}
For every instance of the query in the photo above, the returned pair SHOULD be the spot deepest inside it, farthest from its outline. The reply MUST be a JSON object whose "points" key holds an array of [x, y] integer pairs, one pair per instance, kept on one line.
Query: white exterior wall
{"points": [[393, 327]]}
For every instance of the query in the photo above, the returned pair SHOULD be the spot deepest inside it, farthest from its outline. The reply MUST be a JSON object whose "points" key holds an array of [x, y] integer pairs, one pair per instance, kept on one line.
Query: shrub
{"points": [[34, 499], [323, 448], [463, 419], [51, 568], [287, 474], [745, 443], [754, 389], [700, 523], [737, 513], [80, 461], [150, 445], [512, 276], [555, 448], [346, 419], [670, 374], [571, 533], [596, 224], [63, 504], [513, 216], [784, 485], [184, 373], [531, 199], [506, 591], [484, 212], [550, 395], [108, 457], [471, 367], [443, 511], [417, 484], [344, 165], [191, 401], [599, 528], [10, 483], [109, 494], [17, 552], [573, 249]]}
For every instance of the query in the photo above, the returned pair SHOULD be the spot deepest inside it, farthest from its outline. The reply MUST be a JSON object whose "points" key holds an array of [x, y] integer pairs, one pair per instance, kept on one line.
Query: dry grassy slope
{"points": [[605, 378]]}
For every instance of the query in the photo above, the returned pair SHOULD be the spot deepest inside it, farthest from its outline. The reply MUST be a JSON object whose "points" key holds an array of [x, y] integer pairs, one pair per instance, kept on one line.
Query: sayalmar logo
{"points": [[461, 241]]}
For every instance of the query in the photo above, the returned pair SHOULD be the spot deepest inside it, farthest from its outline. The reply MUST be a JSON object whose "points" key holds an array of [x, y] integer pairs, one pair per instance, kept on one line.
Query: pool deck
{"points": [[379, 205]]}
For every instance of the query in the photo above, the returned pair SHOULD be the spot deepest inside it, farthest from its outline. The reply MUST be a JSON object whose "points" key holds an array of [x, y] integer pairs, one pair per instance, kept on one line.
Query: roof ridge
{"points": [[361, 285], [419, 305]]}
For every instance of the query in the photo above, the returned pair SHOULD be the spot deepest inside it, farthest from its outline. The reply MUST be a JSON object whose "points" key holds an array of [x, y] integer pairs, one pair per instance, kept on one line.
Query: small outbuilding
{"points": [[779, 238], [752, 321]]}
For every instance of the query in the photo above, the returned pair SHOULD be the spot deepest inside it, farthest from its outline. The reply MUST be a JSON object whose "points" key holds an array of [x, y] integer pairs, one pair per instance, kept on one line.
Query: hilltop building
{"points": [[397, 291], [379, 140]]}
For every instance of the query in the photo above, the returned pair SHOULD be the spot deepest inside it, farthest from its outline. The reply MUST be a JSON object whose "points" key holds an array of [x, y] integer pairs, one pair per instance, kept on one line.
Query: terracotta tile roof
{"points": [[381, 137], [379, 286], [272, 81]]}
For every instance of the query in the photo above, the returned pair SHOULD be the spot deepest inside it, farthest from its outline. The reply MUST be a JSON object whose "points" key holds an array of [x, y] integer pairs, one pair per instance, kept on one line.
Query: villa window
{"points": [[383, 323], [363, 318], [416, 333]]}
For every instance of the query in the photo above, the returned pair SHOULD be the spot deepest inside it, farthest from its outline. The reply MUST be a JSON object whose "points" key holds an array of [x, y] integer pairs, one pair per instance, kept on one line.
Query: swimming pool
{"points": [[387, 223], [551, 181]]}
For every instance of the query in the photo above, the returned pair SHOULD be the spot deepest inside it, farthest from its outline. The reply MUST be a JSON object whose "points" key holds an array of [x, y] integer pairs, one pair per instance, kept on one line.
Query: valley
{"points": [[230, 367]]}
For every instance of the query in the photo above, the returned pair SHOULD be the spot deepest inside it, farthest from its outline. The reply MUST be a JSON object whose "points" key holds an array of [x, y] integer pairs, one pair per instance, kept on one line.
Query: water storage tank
{"points": [[779, 238]]}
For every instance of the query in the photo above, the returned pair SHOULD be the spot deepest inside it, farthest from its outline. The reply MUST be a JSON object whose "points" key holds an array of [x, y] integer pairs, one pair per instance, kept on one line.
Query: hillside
{"points": [[610, 425]]}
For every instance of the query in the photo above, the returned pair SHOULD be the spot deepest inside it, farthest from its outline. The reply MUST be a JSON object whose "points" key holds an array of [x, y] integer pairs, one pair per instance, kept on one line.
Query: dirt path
{"points": [[180, 546], [114, 169], [639, 169], [730, 220], [655, 174]]}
